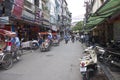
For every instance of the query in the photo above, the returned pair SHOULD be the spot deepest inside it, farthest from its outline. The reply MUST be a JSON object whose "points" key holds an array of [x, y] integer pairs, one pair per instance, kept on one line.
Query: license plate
{"points": [[83, 69]]}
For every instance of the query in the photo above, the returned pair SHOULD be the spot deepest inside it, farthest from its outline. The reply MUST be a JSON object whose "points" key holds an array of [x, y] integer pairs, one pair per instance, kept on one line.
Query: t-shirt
{"points": [[16, 41]]}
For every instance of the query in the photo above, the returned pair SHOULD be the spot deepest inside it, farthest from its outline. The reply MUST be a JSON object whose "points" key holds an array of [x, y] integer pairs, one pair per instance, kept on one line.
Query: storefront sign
{"points": [[38, 14], [17, 9], [4, 20]]}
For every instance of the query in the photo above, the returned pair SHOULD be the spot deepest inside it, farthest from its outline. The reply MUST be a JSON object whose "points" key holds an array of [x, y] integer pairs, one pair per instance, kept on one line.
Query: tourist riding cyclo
{"points": [[45, 41], [8, 50]]}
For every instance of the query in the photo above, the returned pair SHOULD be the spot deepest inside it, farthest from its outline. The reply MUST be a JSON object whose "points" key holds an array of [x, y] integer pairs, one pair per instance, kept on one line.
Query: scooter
{"points": [[35, 44], [100, 53], [88, 64]]}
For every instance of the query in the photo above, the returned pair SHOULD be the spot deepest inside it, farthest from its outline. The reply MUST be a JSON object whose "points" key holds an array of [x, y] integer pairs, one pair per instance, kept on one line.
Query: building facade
{"points": [[33, 16]]}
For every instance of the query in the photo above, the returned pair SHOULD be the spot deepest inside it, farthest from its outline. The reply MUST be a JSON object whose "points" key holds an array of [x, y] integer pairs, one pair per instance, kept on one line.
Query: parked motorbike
{"points": [[88, 63], [110, 55], [35, 44], [100, 53]]}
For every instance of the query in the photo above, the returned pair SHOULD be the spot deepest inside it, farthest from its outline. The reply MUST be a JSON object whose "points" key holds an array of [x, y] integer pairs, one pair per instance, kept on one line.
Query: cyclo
{"points": [[55, 39], [7, 55], [45, 43]]}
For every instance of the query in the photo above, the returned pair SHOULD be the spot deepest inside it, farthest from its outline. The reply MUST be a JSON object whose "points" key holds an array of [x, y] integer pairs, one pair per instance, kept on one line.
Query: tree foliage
{"points": [[78, 26]]}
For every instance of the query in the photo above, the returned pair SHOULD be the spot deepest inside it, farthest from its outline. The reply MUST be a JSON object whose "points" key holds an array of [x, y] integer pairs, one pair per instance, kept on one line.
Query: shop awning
{"points": [[92, 18], [95, 22], [110, 8]]}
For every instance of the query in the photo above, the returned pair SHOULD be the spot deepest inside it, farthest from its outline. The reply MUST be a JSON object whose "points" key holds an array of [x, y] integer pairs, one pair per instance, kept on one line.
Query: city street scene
{"points": [[59, 40]]}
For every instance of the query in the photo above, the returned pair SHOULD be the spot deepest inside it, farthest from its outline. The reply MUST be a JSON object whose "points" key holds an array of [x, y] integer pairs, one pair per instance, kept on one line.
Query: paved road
{"points": [[61, 63]]}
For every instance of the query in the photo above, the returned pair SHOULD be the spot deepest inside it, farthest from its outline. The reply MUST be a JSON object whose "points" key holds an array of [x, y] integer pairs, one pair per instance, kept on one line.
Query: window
{"points": [[102, 1], [28, 4]]}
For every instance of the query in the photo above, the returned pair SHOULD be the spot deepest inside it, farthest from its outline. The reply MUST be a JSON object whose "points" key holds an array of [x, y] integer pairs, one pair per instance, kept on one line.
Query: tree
{"points": [[78, 26]]}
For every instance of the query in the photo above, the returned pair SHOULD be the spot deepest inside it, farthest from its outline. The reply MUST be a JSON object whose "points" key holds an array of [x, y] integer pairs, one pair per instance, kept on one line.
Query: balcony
{"points": [[29, 6], [46, 16], [28, 16], [45, 1]]}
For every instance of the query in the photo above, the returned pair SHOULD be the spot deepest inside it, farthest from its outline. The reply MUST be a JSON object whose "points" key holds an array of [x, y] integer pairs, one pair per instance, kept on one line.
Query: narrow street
{"points": [[61, 63]]}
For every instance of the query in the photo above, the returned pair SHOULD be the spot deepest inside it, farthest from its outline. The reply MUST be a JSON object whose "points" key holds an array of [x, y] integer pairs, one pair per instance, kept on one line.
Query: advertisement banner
{"points": [[4, 20], [17, 9]]}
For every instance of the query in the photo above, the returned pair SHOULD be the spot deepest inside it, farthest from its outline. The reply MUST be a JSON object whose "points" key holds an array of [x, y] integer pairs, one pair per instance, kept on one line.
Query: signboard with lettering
{"points": [[4, 20], [18, 7]]}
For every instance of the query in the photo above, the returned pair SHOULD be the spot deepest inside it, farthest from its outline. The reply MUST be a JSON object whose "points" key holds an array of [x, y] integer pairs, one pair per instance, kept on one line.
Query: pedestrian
{"points": [[87, 39], [58, 37], [40, 40], [66, 38], [73, 37], [81, 37], [50, 37]]}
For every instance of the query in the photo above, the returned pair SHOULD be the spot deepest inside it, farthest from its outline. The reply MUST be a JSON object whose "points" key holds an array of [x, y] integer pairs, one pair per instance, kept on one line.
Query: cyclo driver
{"points": [[15, 44]]}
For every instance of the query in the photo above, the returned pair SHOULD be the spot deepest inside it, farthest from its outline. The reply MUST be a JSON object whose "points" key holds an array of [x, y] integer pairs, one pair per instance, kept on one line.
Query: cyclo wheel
{"points": [[8, 62]]}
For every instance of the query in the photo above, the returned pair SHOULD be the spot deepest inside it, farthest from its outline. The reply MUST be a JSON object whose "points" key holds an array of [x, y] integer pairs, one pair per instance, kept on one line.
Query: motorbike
{"points": [[7, 55], [35, 44], [110, 55], [88, 63], [100, 53]]}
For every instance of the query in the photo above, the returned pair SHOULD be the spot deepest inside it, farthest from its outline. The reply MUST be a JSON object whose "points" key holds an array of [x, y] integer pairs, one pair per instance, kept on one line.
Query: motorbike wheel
{"points": [[8, 62], [35, 46], [85, 77], [19, 54]]}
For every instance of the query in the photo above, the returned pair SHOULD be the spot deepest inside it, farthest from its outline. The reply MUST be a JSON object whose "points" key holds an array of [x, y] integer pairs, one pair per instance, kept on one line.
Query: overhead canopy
{"points": [[95, 22], [110, 8], [92, 18]]}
